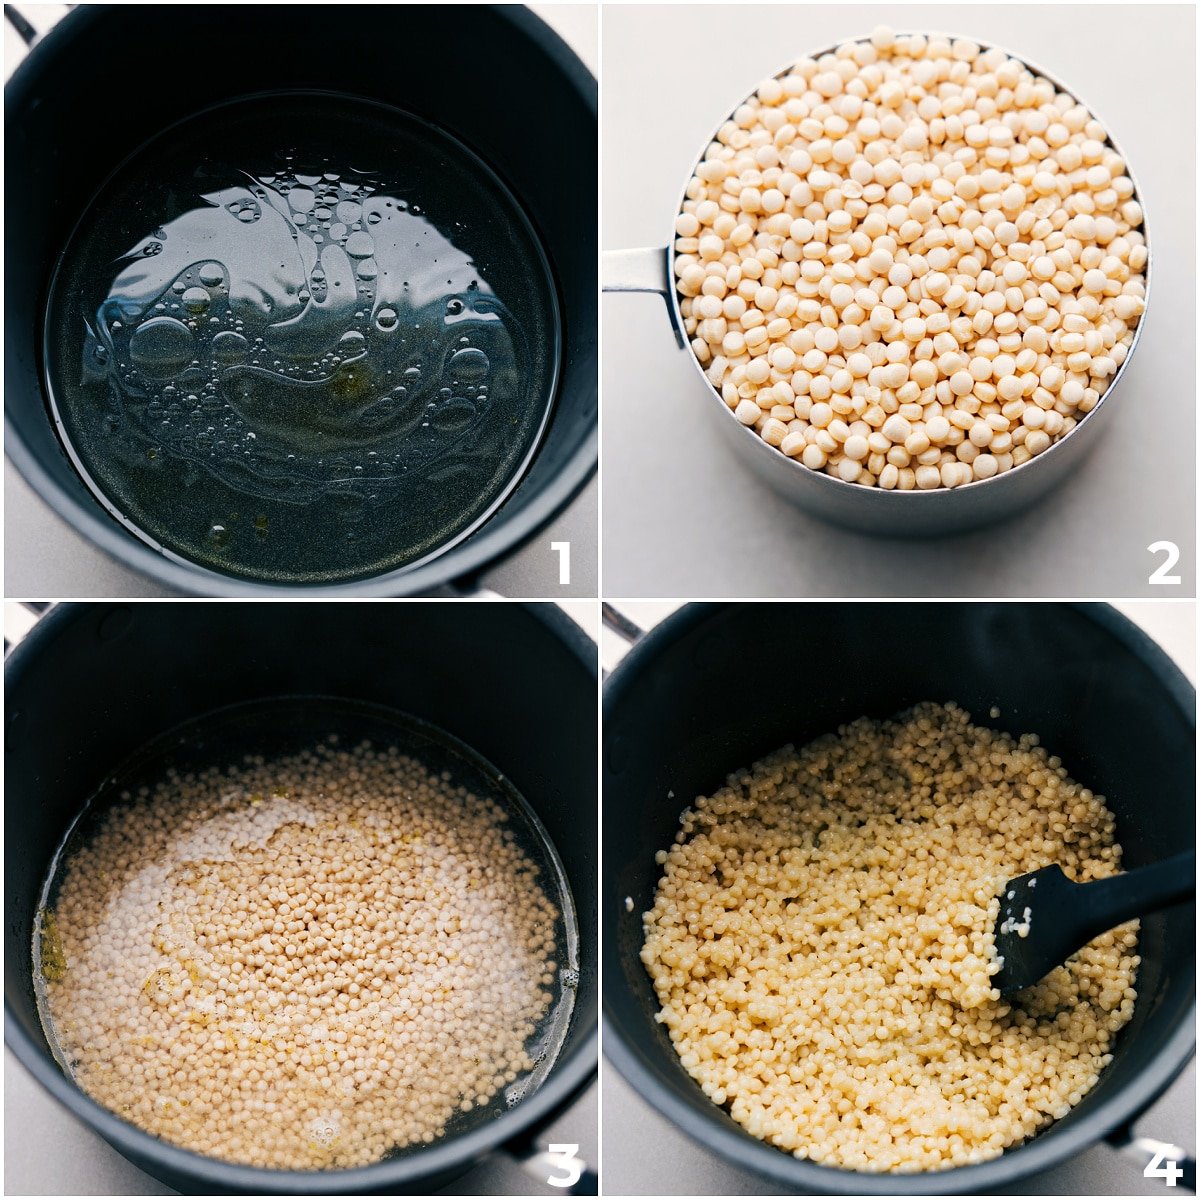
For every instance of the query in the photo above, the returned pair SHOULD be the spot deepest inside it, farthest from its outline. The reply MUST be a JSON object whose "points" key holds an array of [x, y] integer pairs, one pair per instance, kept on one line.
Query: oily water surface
{"points": [[302, 339]]}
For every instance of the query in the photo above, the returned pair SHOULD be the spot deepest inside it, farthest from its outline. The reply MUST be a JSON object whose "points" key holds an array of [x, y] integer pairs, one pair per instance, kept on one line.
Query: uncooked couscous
{"points": [[299, 963], [911, 263], [822, 941]]}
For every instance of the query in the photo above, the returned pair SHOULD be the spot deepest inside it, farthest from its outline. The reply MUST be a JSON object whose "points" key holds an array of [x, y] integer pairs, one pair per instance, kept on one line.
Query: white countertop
{"points": [[681, 515]]}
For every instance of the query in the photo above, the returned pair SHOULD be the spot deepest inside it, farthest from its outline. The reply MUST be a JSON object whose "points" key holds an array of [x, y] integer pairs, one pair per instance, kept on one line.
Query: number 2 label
{"points": [[1161, 572]]}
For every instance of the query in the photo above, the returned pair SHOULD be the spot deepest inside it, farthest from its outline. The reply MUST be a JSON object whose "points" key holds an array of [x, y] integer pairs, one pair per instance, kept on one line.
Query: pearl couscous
{"points": [[911, 263], [301, 963], [821, 943]]}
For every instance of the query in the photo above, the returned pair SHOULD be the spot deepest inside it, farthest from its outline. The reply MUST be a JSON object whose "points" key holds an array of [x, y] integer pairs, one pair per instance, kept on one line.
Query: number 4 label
{"points": [[1169, 1171]]}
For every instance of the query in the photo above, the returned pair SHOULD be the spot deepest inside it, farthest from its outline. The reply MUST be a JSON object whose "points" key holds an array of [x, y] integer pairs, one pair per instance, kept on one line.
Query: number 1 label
{"points": [[563, 550]]}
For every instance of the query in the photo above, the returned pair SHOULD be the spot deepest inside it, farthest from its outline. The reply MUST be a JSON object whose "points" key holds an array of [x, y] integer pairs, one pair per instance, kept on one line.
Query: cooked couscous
{"points": [[821, 943]]}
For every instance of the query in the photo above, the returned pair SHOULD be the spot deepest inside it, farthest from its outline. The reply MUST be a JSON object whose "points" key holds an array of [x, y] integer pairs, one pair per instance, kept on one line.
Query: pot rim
{"points": [[494, 541], [832, 484], [567, 1078], [1044, 1150]]}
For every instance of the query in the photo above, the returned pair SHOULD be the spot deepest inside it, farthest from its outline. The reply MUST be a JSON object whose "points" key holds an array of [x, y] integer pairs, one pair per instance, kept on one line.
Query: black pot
{"points": [[529, 111], [715, 687], [93, 683]]}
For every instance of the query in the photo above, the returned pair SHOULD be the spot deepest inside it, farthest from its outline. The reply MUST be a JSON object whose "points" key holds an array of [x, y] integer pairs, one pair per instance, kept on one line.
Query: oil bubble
{"points": [[360, 244], [161, 347], [212, 274], [230, 347], [386, 318], [468, 365], [302, 199], [196, 299]]}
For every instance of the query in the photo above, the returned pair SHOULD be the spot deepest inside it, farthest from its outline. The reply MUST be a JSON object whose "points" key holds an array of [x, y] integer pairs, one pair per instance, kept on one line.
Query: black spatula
{"points": [[1060, 916]]}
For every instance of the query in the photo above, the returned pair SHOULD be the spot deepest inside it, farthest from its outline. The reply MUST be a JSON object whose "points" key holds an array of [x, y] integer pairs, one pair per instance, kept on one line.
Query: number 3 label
{"points": [[565, 1159], [1171, 551]]}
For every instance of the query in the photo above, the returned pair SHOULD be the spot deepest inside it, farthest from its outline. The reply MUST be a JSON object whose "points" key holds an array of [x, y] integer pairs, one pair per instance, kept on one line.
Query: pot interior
{"points": [[719, 687], [94, 683], [547, 116]]}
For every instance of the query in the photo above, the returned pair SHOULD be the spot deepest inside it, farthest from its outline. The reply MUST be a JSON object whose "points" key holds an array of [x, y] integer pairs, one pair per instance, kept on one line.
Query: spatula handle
{"points": [[1136, 893]]}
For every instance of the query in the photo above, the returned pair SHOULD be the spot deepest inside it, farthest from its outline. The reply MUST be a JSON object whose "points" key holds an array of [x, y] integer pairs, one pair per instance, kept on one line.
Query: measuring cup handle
{"points": [[643, 270]]}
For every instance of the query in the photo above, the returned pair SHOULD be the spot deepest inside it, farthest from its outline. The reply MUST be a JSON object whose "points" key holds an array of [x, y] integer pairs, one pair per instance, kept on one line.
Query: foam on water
{"points": [[302, 339]]}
